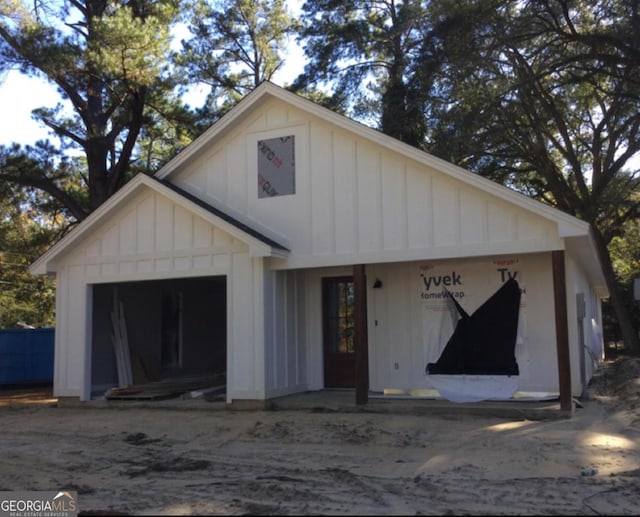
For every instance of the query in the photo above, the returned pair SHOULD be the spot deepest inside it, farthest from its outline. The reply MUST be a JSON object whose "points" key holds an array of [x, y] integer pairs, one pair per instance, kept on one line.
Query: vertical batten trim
{"points": [[356, 196], [431, 225], [485, 221], [285, 327], [308, 175], [229, 285], [457, 231], [405, 207], [154, 243], [332, 189], [274, 329], [380, 205], [88, 343], [296, 329]]}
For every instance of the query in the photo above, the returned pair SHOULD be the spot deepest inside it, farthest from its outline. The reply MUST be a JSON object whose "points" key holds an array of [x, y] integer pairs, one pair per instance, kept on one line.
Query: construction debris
{"points": [[213, 385]]}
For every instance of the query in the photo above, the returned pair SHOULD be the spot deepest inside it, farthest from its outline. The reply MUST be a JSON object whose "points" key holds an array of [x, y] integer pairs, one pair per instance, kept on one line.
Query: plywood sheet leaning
{"points": [[120, 342]]}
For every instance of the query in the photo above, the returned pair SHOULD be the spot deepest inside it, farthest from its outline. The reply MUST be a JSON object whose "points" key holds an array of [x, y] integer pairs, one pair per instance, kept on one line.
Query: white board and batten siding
{"points": [[355, 201], [285, 330], [152, 237], [158, 239]]}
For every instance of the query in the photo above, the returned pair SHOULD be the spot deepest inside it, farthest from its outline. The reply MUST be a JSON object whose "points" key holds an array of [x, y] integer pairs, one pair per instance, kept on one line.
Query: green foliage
{"points": [[625, 255], [30, 222], [130, 47], [23, 297], [625, 252], [369, 52], [530, 87], [168, 127], [109, 60], [24, 171], [234, 46]]}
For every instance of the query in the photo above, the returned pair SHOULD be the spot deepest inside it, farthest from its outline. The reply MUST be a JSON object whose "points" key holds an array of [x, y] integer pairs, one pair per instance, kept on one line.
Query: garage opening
{"points": [[160, 338]]}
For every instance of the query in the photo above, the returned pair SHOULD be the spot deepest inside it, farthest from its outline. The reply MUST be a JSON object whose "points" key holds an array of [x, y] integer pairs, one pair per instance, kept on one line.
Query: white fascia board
{"points": [[218, 127], [585, 253], [44, 264], [39, 267]]}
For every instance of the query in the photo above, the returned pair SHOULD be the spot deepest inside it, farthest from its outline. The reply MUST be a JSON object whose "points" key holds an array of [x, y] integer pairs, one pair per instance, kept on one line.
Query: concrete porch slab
{"points": [[345, 401]]}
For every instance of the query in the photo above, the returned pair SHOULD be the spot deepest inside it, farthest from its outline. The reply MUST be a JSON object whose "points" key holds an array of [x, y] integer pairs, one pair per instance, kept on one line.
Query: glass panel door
{"points": [[339, 332]]}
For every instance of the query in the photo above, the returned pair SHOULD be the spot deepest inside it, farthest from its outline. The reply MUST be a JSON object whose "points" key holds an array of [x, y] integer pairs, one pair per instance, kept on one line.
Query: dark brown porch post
{"points": [[562, 331], [361, 343]]}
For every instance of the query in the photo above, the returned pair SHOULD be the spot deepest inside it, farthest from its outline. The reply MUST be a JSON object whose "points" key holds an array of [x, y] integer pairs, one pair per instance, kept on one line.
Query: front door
{"points": [[338, 332]]}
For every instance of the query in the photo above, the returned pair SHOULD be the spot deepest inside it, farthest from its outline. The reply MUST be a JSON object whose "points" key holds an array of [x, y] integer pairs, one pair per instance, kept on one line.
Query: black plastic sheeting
{"points": [[484, 343]]}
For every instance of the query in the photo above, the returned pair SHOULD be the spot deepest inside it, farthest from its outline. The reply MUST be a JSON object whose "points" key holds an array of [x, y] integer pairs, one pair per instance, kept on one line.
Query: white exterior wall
{"points": [[285, 339], [72, 356], [397, 354], [585, 334], [245, 321], [153, 238], [356, 202]]}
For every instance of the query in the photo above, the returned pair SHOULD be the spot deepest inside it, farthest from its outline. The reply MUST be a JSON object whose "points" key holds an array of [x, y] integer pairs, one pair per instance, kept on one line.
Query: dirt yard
{"points": [[191, 462]]}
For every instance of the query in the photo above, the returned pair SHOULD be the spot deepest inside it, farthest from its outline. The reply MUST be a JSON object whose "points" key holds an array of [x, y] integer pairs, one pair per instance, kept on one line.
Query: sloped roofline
{"points": [[259, 245], [568, 225]]}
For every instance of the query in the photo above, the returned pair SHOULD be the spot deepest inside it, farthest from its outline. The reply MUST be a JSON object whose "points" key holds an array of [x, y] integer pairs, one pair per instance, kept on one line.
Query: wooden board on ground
{"points": [[167, 388]]}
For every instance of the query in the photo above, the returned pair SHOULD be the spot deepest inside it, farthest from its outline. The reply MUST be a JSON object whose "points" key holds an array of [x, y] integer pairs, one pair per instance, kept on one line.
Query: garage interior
{"points": [[159, 338]]}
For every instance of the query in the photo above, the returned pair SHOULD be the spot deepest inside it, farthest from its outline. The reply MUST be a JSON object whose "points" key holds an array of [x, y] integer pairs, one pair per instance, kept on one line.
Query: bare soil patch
{"points": [[13, 396], [198, 462]]}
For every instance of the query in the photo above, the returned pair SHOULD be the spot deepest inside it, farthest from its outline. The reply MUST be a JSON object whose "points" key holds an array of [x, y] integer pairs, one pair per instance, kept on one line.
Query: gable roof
{"points": [[567, 224], [577, 233], [259, 244]]}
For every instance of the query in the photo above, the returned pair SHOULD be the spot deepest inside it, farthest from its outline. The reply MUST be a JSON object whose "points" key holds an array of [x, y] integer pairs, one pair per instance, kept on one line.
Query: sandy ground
{"points": [[177, 462]]}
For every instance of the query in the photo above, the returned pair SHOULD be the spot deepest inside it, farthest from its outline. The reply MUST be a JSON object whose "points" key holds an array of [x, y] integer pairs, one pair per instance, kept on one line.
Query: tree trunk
{"points": [[629, 335], [97, 169]]}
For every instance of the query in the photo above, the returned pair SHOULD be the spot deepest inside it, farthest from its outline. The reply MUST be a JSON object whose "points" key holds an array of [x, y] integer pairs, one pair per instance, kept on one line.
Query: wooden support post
{"points": [[361, 343], [562, 330]]}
